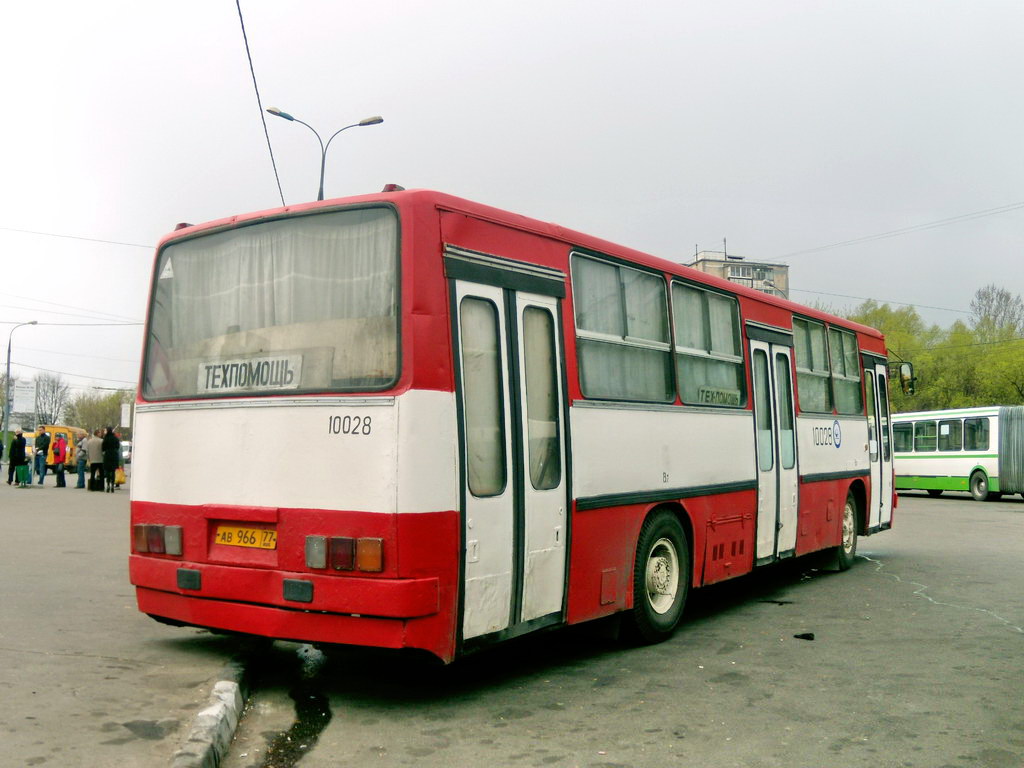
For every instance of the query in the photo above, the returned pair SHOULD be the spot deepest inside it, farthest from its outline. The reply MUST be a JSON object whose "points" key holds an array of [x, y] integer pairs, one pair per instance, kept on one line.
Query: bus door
{"points": [[511, 398], [876, 392], [777, 474]]}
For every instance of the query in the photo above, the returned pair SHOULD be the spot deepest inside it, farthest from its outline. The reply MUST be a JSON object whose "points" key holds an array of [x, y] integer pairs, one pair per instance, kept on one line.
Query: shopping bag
{"points": [[22, 474], [119, 478]]}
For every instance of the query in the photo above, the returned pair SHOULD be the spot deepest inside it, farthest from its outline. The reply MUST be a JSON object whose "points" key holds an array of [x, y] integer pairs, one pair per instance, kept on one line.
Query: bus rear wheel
{"points": [[841, 558], [979, 486], [661, 578]]}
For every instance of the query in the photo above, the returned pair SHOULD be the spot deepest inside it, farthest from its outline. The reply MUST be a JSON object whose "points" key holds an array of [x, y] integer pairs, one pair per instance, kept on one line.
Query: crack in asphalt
{"points": [[920, 592]]}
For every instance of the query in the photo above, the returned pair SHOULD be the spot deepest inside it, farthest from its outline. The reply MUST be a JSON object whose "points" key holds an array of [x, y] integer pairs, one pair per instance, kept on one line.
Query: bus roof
{"points": [[443, 201], [980, 410]]}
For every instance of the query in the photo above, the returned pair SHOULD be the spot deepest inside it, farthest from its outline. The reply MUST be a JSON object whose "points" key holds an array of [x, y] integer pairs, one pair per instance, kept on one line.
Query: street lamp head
{"points": [[278, 113], [375, 120]]}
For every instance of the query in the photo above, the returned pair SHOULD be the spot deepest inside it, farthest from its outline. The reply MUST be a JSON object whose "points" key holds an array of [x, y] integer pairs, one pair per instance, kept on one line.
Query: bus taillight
{"points": [[342, 553], [370, 555], [157, 539]]}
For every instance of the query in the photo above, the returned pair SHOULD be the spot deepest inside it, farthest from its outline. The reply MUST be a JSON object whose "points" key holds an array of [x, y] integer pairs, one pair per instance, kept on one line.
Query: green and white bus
{"points": [[980, 450]]}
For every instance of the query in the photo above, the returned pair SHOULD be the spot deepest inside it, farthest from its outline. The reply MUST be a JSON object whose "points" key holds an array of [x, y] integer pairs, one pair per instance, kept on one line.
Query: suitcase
{"points": [[22, 475], [96, 484]]}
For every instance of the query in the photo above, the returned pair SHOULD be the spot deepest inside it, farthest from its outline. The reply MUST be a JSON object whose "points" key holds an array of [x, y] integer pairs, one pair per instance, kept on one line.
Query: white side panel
{"points": [[941, 466], [624, 449], [428, 457], [329, 454], [829, 444]]}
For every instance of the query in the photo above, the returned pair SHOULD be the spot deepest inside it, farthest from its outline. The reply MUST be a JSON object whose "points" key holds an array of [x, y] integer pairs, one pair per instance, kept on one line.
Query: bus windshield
{"points": [[300, 304]]}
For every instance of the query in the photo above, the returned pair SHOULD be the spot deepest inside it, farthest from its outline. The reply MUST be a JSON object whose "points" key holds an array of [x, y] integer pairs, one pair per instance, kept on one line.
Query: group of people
{"points": [[100, 451]]}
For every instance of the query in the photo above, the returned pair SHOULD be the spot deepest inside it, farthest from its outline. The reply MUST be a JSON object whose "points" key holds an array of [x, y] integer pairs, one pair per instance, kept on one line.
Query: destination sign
{"points": [[254, 373], [717, 396]]}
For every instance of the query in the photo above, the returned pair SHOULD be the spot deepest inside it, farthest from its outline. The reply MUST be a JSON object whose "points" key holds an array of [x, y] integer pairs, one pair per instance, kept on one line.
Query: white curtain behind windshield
{"points": [[299, 304]]}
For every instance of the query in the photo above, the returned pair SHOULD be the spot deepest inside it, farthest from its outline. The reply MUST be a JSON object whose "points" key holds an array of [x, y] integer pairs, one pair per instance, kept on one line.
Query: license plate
{"points": [[239, 536]]}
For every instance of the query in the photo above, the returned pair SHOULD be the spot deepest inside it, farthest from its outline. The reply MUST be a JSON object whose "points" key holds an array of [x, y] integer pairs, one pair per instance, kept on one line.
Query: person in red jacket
{"points": [[60, 455]]}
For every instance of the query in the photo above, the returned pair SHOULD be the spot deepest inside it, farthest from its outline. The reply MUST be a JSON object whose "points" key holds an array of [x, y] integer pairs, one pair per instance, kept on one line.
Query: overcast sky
{"points": [[665, 126]]}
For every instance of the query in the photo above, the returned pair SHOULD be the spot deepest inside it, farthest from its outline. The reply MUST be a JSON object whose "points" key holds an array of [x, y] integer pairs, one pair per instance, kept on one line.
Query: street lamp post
{"points": [[7, 394], [375, 120]]}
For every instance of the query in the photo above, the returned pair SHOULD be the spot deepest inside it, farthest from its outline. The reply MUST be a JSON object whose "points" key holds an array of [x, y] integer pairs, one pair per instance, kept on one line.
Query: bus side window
{"points": [[709, 359], [924, 436], [485, 409], [541, 369], [976, 434], [812, 369], [845, 371], [763, 412], [903, 437], [622, 335], [951, 435]]}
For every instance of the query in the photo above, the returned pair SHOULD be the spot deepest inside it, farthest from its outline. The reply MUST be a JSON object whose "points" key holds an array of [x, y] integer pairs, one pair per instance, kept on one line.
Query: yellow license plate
{"points": [[239, 536]]}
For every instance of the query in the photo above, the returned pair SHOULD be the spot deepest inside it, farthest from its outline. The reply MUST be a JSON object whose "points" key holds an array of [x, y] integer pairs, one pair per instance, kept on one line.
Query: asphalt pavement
{"points": [[914, 658], [87, 680]]}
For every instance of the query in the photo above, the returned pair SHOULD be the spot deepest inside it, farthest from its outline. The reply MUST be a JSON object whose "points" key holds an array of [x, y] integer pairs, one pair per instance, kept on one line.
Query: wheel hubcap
{"points": [[662, 575], [848, 528]]}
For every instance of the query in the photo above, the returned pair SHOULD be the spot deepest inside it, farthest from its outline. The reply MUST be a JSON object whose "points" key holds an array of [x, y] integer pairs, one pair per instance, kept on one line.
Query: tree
{"points": [[905, 336], [52, 395], [94, 410], [996, 314]]}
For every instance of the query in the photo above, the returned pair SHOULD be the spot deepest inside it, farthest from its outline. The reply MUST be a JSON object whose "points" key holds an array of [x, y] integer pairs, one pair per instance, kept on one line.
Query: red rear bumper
{"points": [[385, 598]]}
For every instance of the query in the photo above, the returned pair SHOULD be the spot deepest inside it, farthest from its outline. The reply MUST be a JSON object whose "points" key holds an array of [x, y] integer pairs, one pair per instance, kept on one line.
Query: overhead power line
{"points": [[22, 348], [76, 237], [259, 102], [57, 312], [75, 325], [908, 230], [965, 346], [92, 312], [881, 301], [75, 375]]}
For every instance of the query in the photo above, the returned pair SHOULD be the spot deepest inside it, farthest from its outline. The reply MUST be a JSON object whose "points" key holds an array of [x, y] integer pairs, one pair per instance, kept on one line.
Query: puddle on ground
{"points": [[312, 714]]}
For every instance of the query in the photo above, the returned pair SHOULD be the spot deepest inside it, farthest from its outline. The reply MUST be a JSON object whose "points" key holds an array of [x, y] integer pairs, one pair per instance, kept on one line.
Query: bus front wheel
{"points": [[979, 486], [661, 578]]}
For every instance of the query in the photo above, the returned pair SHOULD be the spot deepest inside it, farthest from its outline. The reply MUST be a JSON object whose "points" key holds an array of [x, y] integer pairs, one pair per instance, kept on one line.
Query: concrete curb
{"points": [[214, 727]]}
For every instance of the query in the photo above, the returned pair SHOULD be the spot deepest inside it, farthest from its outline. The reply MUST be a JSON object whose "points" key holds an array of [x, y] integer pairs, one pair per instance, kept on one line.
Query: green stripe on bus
{"points": [[918, 482], [940, 455]]}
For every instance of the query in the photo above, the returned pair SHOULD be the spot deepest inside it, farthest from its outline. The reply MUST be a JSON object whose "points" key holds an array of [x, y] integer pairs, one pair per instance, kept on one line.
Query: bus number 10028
{"points": [[349, 425]]}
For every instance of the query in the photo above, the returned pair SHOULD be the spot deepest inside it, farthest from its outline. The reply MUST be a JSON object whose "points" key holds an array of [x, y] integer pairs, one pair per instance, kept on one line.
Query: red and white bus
{"points": [[410, 420]]}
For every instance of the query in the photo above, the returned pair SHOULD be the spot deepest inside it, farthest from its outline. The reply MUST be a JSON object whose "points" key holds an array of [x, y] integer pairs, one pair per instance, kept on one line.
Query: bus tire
{"points": [[935, 492], [979, 486], [661, 578], [842, 557]]}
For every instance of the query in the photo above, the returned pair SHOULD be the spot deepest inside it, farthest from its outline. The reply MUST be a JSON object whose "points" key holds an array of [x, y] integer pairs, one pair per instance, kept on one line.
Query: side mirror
{"points": [[907, 378]]}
